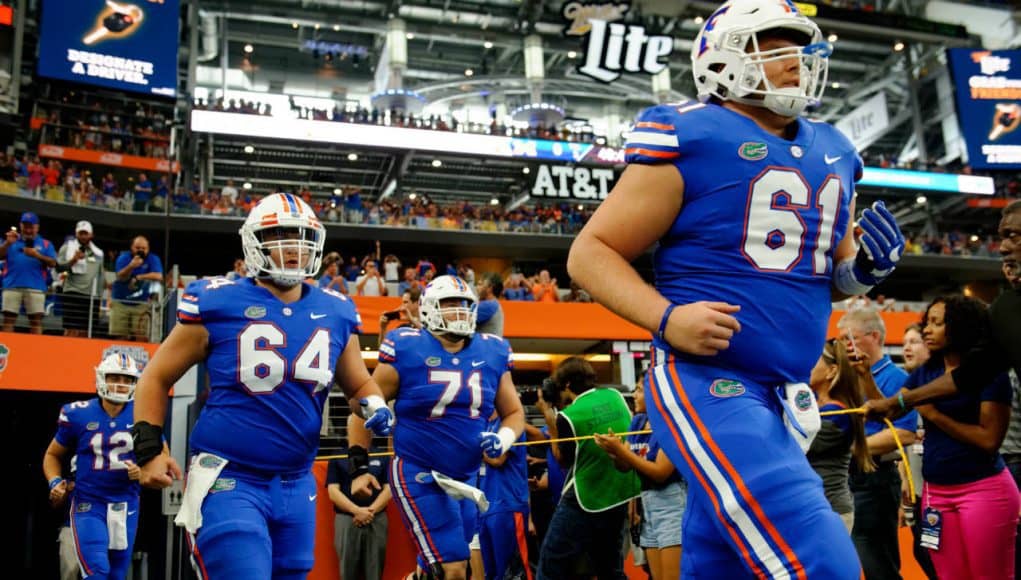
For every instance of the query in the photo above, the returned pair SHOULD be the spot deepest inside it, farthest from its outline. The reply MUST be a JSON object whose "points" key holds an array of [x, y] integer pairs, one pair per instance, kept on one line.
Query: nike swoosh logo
{"points": [[478, 363], [132, 513], [130, 425], [312, 497], [831, 160], [317, 316]]}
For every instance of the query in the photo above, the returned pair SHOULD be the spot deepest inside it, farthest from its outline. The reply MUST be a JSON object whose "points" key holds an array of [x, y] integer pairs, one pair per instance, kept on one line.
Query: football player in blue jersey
{"points": [[273, 346], [104, 505], [751, 206], [503, 528], [446, 381]]}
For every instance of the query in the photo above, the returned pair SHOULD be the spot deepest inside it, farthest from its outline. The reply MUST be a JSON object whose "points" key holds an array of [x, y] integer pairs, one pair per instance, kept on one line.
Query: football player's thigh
{"points": [[120, 560], [435, 520], [293, 528], [234, 540], [91, 538]]}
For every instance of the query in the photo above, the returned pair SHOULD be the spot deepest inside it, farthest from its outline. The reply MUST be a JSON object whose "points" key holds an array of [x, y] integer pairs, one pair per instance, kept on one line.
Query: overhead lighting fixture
{"points": [[294, 25], [336, 28], [494, 201], [410, 36], [898, 46], [487, 44], [572, 54], [525, 170], [832, 37], [437, 163], [580, 207], [337, 191], [974, 238], [835, 85], [921, 199], [249, 48], [469, 72], [246, 185], [412, 196], [352, 157], [317, 27], [698, 20], [249, 149]]}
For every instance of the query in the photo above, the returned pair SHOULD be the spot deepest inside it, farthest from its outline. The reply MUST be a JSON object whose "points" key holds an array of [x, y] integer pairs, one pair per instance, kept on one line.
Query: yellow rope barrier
{"points": [[858, 411]]}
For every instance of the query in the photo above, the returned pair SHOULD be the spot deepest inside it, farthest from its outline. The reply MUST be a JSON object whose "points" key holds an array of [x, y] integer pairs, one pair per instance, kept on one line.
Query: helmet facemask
{"points": [[115, 387], [449, 306], [285, 254]]}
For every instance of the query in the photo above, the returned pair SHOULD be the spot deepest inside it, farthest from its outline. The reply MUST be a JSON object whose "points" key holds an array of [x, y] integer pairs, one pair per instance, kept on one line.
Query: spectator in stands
{"points": [[407, 316], [137, 271], [466, 273], [877, 493], [35, 176], [835, 383], [352, 271], [409, 281], [968, 489], [143, 193], [423, 267], [392, 273], [360, 524], [84, 284], [51, 174], [161, 193], [28, 257], [545, 289], [331, 278], [490, 313], [371, 282], [240, 270], [230, 193], [514, 288], [577, 294]]}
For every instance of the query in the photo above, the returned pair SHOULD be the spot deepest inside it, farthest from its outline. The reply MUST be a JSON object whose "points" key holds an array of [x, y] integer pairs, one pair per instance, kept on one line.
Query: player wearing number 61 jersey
{"points": [[446, 381], [104, 502], [273, 347], [752, 209]]}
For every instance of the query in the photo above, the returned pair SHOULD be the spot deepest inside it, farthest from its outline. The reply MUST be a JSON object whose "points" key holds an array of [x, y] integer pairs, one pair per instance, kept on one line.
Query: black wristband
{"points": [[357, 461], [148, 442]]}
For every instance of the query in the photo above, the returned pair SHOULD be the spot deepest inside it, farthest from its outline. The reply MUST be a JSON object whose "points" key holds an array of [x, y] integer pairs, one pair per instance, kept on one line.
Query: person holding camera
{"points": [[24, 280], [592, 513], [136, 269], [84, 284], [407, 316]]}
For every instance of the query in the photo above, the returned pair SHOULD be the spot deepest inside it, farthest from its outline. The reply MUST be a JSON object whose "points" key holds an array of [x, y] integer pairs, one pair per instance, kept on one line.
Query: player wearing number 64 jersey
{"points": [[104, 502], [273, 347], [752, 209], [446, 381]]}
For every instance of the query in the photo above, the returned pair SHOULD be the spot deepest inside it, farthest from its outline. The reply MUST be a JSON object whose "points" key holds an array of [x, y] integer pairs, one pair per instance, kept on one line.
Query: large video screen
{"points": [[121, 44], [989, 105]]}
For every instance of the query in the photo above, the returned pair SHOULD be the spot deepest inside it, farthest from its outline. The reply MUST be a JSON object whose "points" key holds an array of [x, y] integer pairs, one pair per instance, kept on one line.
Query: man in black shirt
{"points": [[983, 364], [360, 526]]}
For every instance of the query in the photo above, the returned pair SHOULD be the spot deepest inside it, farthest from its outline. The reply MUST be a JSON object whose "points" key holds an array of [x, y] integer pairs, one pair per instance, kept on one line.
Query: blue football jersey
{"points": [[760, 219], [445, 399], [506, 486], [270, 366], [101, 444]]}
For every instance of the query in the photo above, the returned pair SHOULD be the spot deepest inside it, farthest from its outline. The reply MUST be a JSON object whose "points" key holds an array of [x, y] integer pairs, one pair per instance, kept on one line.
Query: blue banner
{"points": [[989, 105], [121, 44]]}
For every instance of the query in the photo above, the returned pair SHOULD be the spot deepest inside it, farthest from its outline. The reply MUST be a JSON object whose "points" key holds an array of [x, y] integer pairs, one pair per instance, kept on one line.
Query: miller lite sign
{"points": [[613, 48]]}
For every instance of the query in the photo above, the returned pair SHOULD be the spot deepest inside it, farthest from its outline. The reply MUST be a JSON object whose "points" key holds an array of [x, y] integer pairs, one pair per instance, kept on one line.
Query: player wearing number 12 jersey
{"points": [[446, 380], [751, 206], [273, 347], [104, 502]]}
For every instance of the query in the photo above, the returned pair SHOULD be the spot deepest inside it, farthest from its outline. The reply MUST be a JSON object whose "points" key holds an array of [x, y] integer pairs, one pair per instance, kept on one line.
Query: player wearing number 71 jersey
{"points": [[751, 206], [104, 502], [273, 347], [446, 381]]}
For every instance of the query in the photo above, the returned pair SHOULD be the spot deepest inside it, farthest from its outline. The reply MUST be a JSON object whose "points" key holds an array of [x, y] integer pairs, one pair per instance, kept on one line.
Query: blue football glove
{"points": [[496, 444], [882, 245], [377, 415]]}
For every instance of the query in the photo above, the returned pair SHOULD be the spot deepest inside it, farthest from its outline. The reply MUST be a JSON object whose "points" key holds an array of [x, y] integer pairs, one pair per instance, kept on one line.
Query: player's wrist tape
{"points": [[900, 400], [664, 320], [846, 279], [370, 405], [56, 481], [507, 438], [148, 442], [357, 460]]}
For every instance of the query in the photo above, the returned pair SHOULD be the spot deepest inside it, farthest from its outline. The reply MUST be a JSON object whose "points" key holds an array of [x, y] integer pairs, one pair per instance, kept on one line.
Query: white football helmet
{"points": [[434, 317], [117, 364], [286, 223], [727, 63]]}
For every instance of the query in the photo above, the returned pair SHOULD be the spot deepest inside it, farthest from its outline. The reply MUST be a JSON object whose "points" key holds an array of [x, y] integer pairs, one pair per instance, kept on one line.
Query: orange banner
{"points": [[107, 158], [587, 321], [31, 362]]}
